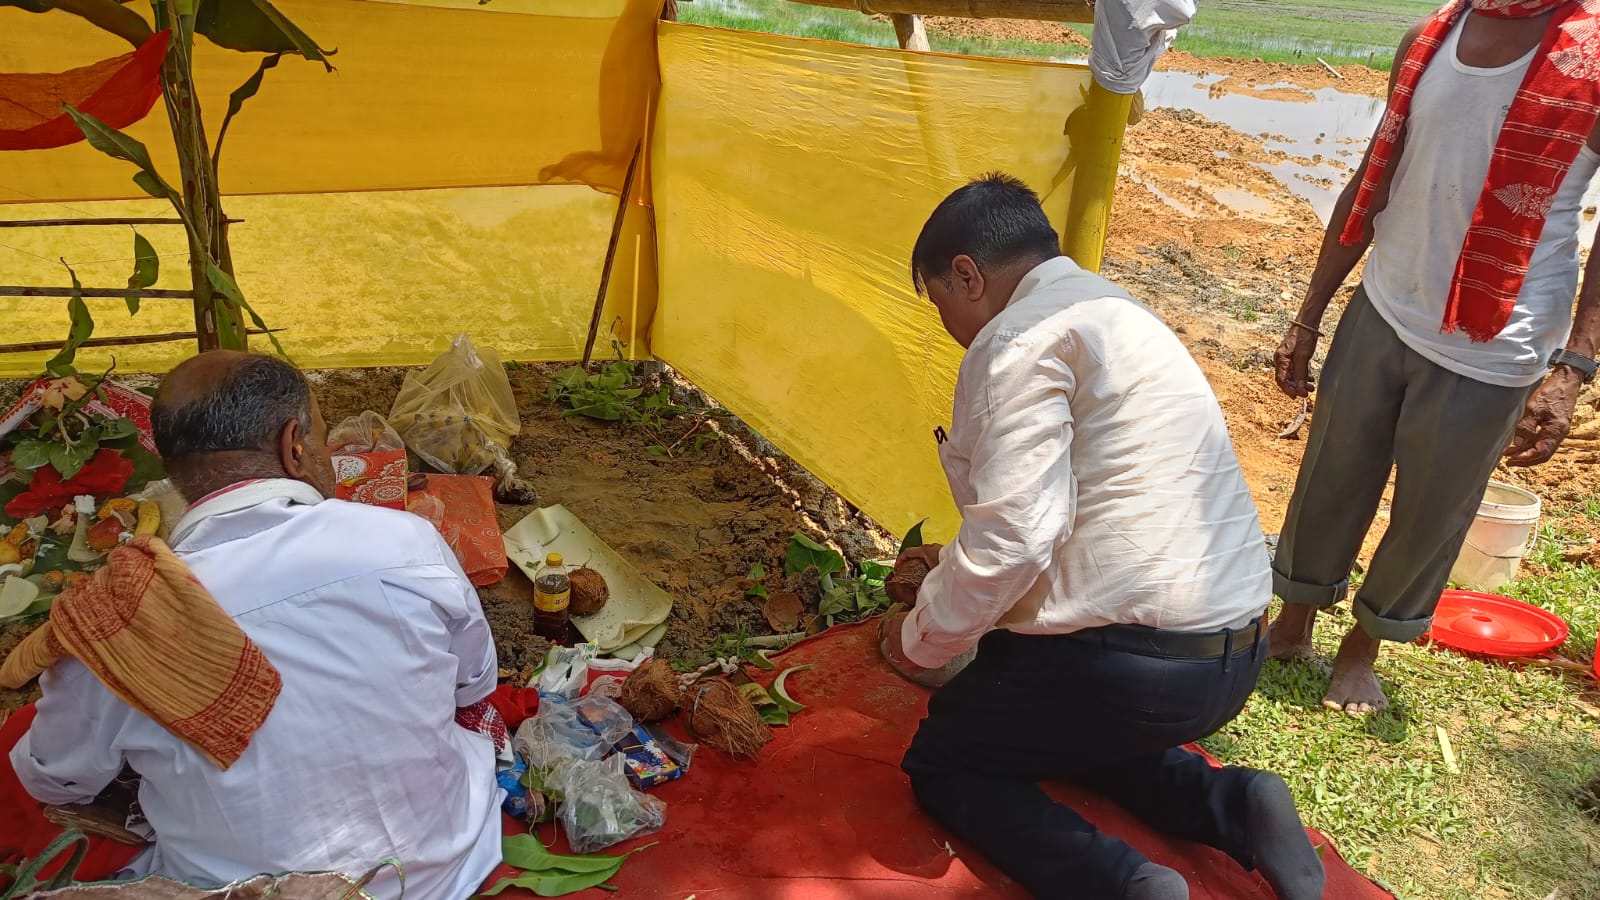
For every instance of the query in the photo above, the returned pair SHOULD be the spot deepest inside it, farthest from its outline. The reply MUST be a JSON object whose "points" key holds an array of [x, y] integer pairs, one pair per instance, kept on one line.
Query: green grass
{"points": [[1569, 590], [1361, 32]]}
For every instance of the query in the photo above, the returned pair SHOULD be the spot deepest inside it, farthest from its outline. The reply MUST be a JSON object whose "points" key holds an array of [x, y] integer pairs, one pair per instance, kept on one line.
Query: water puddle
{"points": [[1324, 137]]}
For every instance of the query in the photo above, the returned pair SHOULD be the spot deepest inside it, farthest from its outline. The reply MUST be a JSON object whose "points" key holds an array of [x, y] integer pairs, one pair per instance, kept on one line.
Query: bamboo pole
{"points": [[908, 29], [1094, 182], [1041, 10], [131, 340], [14, 290], [611, 251], [136, 220]]}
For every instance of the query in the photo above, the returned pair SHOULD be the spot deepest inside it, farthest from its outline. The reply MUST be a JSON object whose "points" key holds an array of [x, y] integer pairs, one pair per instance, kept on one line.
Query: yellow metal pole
{"points": [[1096, 137]]}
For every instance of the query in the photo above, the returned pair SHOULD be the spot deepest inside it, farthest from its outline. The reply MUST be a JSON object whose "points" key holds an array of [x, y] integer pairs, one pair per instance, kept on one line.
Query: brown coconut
{"points": [[903, 585], [589, 591], [724, 718], [651, 692]]}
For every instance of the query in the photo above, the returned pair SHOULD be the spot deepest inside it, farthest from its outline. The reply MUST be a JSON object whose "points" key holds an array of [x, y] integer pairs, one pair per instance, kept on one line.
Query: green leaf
{"points": [[256, 26], [805, 553], [875, 572], [111, 429], [834, 602], [118, 145], [70, 460], [656, 450], [79, 331], [757, 590], [760, 660], [31, 454], [913, 538], [146, 269], [236, 102], [758, 571], [227, 287]]}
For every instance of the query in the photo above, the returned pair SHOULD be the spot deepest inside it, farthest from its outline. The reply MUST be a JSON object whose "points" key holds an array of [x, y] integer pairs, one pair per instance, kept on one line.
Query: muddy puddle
{"points": [[1315, 137]]}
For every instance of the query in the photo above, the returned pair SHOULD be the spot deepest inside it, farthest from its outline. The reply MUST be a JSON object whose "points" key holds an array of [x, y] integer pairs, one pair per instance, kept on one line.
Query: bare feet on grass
{"points": [[1290, 637], [1354, 686]]}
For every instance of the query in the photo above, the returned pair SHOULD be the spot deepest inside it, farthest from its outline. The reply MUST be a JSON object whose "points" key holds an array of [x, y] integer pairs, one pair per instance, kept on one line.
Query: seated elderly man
{"points": [[333, 745]]}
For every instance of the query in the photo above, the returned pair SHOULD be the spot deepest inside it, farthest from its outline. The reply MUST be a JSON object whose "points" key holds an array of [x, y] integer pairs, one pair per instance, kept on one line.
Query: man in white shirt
{"points": [[1109, 567], [375, 631]]}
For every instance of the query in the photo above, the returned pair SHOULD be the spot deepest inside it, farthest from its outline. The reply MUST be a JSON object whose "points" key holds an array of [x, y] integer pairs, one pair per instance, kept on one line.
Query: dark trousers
{"points": [[1032, 708]]}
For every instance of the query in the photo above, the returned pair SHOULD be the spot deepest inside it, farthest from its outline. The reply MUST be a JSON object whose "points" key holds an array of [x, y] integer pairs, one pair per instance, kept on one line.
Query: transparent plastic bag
{"points": [[366, 433], [600, 808], [460, 415], [585, 729]]}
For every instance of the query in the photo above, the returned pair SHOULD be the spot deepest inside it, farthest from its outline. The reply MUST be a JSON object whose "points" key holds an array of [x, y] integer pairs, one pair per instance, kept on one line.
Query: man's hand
{"points": [[1547, 419], [1293, 359]]}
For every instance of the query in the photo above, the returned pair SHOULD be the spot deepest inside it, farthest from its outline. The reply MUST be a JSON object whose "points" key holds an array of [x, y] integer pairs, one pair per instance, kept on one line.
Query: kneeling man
{"points": [[1110, 569]]}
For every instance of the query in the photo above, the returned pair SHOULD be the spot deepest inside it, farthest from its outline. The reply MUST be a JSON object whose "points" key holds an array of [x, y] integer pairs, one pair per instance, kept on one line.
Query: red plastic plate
{"points": [[1495, 626]]}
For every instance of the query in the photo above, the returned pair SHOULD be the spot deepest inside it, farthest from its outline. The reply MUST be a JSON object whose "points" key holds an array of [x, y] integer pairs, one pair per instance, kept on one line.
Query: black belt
{"points": [[1158, 642]]}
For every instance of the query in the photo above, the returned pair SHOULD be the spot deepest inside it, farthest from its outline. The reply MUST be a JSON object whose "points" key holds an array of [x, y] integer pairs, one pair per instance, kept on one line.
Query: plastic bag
{"points": [[566, 671], [369, 461], [600, 808], [560, 732], [459, 415]]}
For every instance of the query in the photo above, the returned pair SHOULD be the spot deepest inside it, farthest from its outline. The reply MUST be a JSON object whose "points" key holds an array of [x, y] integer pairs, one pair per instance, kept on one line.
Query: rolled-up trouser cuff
{"points": [[1399, 631], [1305, 593]]}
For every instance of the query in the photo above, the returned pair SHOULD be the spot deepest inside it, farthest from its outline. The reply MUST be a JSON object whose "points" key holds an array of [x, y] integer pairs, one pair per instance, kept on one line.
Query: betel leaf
{"points": [[913, 538], [805, 553], [236, 102], [69, 459], [82, 326], [256, 26], [30, 454], [146, 269]]}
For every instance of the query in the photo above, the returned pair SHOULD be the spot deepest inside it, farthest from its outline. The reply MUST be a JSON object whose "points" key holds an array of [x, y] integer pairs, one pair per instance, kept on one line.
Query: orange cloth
{"points": [[158, 640], [118, 91]]}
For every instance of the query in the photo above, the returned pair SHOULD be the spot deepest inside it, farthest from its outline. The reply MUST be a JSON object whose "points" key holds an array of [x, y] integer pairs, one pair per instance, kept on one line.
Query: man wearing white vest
{"points": [[1461, 345]]}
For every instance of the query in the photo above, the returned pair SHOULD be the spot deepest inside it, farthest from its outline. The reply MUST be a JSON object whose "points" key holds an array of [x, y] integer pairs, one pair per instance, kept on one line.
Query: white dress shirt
{"points": [[379, 637], [1095, 478]]}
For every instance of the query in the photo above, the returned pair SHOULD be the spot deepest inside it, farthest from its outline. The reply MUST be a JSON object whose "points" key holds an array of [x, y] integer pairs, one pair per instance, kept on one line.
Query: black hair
{"points": [[996, 220], [245, 409]]}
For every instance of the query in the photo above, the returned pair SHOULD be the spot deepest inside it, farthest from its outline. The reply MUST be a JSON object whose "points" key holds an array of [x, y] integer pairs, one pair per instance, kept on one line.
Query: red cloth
{"points": [[103, 476], [515, 704], [465, 516], [118, 91], [1551, 118], [826, 812], [23, 827]]}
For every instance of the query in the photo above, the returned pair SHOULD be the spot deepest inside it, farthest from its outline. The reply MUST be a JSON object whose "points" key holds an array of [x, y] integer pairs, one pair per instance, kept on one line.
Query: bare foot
{"points": [[1354, 686], [1290, 637]]}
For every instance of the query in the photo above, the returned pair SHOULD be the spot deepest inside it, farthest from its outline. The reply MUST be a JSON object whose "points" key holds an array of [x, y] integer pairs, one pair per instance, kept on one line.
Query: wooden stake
{"points": [[908, 28], [1038, 10], [611, 251], [1335, 72], [14, 290], [169, 337]]}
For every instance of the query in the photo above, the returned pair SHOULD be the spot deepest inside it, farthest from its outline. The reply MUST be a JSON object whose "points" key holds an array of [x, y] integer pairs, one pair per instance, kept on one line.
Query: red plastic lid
{"points": [[1495, 626]]}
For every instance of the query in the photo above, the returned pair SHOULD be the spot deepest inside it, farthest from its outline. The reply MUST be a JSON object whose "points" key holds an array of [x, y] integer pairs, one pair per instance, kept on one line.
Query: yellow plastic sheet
{"points": [[791, 178], [423, 97]]}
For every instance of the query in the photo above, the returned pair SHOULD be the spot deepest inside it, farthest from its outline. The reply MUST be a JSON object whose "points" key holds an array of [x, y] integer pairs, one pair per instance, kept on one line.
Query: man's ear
{"points": [[292, 449], [966, 278]]}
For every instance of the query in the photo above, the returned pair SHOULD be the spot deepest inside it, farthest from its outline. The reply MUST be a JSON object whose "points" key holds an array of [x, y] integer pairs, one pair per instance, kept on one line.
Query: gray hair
{"points": [[245, 409]]}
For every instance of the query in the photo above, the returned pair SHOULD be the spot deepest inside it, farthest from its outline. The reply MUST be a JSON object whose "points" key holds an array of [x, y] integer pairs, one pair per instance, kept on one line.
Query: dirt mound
{"points": [[1245, 75], [1007, 30]]}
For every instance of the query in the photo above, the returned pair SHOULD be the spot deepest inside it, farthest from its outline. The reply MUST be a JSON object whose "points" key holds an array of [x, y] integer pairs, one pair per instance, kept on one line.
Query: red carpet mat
{"points": [[824, 813]]}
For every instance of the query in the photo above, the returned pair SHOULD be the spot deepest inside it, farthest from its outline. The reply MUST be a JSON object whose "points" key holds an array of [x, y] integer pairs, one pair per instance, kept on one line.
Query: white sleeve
{"points": [[455, 600], [1024, 500], [1129, 36], [67, 754]]}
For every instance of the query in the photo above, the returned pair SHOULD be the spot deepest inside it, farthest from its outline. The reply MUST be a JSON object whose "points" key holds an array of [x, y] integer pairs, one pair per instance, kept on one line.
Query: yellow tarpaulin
{"points": [[791, 178]]}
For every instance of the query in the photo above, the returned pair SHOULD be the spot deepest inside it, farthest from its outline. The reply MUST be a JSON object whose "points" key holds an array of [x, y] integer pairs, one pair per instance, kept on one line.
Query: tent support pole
{"points": [[908, 29], [611, 251]]}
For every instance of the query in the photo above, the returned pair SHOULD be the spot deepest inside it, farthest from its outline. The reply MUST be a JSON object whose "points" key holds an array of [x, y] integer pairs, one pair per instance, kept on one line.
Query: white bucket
{"points": [[1501, 534]]}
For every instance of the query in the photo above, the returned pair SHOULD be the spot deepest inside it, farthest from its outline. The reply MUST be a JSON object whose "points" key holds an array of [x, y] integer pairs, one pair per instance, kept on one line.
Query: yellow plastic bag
{"points": [[459, 416]]}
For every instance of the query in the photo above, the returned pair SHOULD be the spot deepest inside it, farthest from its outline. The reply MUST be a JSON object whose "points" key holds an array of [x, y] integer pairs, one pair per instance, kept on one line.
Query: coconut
{"points": [[903, 585], [721, 716], [651, 692], [589, 591]]}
